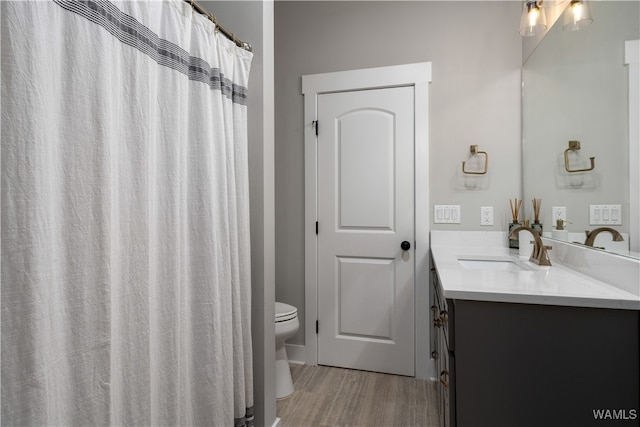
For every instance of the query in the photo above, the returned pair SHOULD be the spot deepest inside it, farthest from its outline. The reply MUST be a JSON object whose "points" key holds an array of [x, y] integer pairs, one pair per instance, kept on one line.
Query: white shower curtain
{"points": [[125, 217]]}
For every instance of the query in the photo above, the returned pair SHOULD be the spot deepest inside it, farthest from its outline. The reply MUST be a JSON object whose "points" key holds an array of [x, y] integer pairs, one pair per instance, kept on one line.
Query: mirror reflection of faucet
{"points": [[591, 235]]}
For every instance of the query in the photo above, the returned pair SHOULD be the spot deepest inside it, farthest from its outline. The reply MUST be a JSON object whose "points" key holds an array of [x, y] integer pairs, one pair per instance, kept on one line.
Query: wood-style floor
{"points": [[326, 396]]}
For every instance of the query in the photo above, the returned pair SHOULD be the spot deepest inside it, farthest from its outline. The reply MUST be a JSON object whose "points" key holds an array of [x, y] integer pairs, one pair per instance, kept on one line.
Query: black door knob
{"points": [[405, 246]]}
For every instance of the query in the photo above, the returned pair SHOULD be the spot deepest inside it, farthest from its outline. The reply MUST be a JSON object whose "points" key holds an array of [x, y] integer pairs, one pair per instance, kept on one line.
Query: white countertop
{"points": [[555, 285]]}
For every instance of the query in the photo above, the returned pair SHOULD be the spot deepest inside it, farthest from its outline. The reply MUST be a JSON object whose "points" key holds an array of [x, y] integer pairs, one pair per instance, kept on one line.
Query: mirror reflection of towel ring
{"points": [[474, 150], [574, 146]]}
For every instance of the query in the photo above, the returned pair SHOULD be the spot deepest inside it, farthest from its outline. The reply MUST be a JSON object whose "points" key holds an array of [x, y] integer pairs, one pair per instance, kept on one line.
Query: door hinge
{"points": [[316, 227], [316, 326], [315, 125]]}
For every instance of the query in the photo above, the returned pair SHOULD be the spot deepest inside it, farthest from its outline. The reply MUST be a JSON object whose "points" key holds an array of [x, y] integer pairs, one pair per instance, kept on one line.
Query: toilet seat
{"points": [[285, 312]]}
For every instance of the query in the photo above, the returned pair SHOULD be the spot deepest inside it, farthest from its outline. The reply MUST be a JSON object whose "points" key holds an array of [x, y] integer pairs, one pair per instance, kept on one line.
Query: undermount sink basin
{"points": [[491, 264]]}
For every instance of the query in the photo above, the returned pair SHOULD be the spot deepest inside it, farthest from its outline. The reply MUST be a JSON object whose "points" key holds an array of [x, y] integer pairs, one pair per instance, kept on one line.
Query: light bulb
{"points": [[577, 10], [534, 14], [577, 16]]}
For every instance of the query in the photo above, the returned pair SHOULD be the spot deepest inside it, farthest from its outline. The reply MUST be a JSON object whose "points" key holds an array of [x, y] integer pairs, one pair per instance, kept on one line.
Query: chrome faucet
{"points": [[539, 255], [591, 235]]}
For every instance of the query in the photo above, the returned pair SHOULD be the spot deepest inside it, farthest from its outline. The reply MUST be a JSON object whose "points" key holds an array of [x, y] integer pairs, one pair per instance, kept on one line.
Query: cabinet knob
{"points": [[444, 316], [443, 381], [434, 354]]}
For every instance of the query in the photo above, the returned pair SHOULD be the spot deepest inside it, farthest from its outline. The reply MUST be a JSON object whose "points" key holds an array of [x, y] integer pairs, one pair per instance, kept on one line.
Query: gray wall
{"points": [[476, 54], [252, 21]]}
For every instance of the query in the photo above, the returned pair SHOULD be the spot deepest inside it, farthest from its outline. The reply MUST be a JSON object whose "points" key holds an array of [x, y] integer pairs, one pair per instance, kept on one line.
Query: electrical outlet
{"points": [[558, 212], [486, 215]]}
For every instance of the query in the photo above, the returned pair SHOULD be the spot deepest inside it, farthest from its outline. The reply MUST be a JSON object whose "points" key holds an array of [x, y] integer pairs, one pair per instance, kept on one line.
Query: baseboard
{"points": [[296, 353]]}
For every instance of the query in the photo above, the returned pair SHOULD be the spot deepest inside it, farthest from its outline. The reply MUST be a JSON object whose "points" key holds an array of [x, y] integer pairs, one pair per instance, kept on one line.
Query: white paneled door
{"points": [[366, 229]]}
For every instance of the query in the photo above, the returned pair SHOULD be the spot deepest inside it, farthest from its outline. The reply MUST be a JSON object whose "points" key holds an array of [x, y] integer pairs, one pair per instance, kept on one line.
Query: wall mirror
{"points": [[576, 88]]}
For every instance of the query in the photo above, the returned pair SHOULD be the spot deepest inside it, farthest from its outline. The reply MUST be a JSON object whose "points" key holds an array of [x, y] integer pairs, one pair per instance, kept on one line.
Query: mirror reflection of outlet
{"points": [[486, 215], [559, 212]]}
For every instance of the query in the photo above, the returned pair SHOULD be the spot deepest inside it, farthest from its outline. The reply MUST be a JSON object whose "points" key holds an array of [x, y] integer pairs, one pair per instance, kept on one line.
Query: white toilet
{"points": [[286, 326]]}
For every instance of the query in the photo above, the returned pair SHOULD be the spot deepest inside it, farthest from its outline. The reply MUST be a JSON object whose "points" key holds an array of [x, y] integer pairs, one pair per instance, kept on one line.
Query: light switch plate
{"points": [[446, 214], [605, 214]]}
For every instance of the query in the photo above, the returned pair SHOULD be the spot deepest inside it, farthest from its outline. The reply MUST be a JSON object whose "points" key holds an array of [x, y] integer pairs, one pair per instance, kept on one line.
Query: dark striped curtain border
{"points": [[131, 32]]}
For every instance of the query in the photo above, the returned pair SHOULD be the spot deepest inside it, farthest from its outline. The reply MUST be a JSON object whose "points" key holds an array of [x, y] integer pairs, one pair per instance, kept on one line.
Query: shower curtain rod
{"points": [[244, 45]]}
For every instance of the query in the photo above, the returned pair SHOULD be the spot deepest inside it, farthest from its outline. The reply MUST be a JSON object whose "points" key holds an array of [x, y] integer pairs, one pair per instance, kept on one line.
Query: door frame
{"points": [[419, 76], [632, 59]]}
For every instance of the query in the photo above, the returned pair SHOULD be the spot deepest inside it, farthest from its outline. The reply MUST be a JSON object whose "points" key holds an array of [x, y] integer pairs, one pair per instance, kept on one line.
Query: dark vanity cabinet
{"points": [[442, 353], [511, 364]]}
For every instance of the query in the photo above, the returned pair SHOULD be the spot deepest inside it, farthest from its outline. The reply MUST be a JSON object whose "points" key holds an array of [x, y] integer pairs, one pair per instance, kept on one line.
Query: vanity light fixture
{"points": [[577, 15], [533, 21], [550, 3]]}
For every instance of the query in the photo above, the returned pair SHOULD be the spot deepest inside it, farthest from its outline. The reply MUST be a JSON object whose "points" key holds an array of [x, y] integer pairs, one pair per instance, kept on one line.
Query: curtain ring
{"points": [[213, 19]]}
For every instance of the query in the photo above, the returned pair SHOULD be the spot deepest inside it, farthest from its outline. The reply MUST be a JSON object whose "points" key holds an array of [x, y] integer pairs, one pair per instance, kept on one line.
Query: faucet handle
{"points": [[542, 257]]}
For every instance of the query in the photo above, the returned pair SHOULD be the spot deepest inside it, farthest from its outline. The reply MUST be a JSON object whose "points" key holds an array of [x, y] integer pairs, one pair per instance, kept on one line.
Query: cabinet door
{"points": [[444, 381], [537, 365], [437, 341], [433, 308], [433, 305]]}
